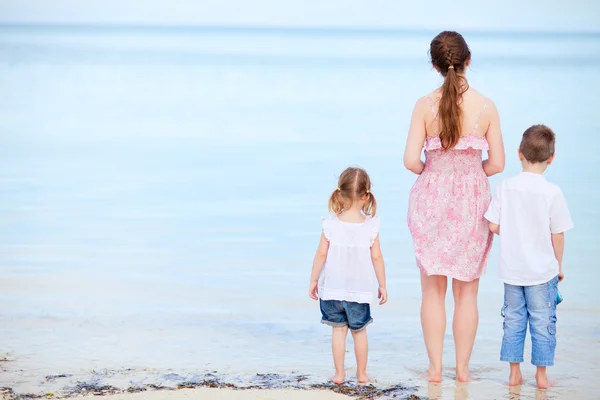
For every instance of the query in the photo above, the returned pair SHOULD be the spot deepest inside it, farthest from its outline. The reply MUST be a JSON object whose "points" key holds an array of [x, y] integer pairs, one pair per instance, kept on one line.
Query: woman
{"points": [[454, 124]]}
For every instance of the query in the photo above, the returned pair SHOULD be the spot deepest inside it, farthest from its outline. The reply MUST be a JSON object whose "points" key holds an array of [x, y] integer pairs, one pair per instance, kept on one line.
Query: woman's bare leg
{"points": [[433, 321], [464, 326]]}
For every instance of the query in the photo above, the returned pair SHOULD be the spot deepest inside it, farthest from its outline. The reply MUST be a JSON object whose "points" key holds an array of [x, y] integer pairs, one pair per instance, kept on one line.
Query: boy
{"points": [[530, 215]]}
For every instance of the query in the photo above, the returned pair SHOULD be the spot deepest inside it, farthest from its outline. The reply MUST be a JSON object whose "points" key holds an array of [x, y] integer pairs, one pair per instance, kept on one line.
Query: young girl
{"points": [[342, 275]]}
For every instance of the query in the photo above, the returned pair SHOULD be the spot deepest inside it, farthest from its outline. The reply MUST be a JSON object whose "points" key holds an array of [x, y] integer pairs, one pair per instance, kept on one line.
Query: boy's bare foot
{"points": [[434, 376], [338, 379], [543, 382], [515, 378], [542, 379]]}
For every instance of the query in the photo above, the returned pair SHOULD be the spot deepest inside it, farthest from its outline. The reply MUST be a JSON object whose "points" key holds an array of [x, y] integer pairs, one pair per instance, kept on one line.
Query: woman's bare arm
{"points": [[495, 161], [415, 140]]}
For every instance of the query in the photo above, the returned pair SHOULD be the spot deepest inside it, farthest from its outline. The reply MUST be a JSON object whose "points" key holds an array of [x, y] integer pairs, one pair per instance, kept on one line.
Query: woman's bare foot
{"points": [[515, 378], [464, 377], [463, 374], [434, 376], [338, 379]]}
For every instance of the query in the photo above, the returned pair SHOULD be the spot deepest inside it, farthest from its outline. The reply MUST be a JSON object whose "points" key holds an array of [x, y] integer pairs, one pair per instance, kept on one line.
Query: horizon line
{"points": [[300, 29]]}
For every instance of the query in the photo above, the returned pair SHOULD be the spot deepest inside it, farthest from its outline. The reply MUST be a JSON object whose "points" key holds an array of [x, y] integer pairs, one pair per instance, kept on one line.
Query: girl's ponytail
{"points": [[336, 202], [370, 207]]}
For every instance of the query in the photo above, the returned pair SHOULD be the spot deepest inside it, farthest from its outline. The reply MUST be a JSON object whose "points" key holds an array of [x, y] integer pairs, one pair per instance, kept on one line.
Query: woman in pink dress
{"points": [[454, 124]]}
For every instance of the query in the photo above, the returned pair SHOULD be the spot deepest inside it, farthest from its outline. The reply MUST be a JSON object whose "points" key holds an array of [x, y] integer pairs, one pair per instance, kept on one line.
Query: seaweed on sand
{"points": [[96, 387], [52, 378], [368, 392], [85, 388]]}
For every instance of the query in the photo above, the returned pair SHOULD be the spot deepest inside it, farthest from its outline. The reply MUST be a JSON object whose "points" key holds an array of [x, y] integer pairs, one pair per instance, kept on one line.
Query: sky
{"points": [[507, 15]]}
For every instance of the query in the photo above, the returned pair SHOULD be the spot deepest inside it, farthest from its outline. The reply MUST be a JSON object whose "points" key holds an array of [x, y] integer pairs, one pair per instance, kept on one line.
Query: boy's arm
{"points": [[558, 243], [318, 262], [379, 265], [494, 210], [560, 221], [494, 228]]}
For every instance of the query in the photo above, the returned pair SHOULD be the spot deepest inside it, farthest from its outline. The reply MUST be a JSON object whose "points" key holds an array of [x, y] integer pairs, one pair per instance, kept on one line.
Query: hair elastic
{"points": [[451, 67]]}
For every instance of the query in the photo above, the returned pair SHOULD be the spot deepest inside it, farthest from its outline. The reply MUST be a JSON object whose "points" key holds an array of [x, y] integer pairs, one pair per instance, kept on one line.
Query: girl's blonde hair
{"points": [[354, 184]]}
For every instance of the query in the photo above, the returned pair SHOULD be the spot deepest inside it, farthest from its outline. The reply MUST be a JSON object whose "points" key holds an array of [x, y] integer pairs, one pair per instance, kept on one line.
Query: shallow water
{"points": [[161, 194]]}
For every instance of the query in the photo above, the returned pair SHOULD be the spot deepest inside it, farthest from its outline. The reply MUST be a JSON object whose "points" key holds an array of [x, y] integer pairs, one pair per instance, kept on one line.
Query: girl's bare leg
{"points": [[338, 347], [361, 350]]}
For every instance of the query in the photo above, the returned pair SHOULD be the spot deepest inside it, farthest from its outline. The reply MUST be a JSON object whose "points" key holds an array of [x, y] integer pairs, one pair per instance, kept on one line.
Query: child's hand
{"points": [[382, 294], [561, 276], [312, 290]]}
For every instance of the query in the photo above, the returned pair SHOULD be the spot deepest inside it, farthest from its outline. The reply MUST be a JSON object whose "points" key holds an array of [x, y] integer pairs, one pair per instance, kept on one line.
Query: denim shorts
{"points": [[345, 313], [535, 305]]}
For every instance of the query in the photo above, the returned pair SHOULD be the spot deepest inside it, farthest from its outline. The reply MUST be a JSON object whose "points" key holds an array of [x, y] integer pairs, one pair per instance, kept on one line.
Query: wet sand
{"points": [[230, 394], [221, 394]]}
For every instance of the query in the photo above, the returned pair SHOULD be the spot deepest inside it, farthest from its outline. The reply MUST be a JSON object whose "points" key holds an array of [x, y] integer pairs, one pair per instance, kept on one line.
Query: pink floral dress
{"points": [[446, 207]]}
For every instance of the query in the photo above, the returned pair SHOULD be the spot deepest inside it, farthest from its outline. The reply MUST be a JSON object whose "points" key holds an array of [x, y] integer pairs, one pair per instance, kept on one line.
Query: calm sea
{"points": [[161, 193]]}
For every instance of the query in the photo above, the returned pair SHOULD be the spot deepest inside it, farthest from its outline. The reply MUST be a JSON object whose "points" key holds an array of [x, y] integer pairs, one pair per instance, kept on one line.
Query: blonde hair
{"points": [[353, 184]]}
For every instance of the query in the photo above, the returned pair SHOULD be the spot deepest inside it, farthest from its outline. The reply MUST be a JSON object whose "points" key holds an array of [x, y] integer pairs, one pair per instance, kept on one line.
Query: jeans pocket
{"points": [[552, 323]]}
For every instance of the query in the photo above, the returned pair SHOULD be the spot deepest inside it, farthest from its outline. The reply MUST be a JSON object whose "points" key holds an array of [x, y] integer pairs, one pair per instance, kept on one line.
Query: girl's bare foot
{"points": [[362, 378], [338, 379], [434, 376], [515, 378]]}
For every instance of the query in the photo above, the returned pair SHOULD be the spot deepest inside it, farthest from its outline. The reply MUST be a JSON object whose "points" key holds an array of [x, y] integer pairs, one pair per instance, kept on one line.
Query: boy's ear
{"points": [[550, 159], [521, 158]]}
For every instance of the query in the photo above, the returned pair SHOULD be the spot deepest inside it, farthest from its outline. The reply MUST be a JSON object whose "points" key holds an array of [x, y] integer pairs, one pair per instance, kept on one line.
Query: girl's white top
{"points": [[348, 273]]}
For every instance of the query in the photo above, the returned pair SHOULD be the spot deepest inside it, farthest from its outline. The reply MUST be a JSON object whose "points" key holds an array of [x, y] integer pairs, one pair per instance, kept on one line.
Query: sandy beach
{"points": [[228, 394], [161, 195]]}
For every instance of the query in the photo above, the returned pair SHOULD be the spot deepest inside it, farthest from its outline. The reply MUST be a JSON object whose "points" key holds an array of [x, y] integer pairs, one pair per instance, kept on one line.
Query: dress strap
{"points": [[479, 118], [432, 107]]}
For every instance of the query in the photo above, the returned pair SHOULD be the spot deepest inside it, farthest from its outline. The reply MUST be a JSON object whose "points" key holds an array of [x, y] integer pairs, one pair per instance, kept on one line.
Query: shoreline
{"points": [[110, 384]]}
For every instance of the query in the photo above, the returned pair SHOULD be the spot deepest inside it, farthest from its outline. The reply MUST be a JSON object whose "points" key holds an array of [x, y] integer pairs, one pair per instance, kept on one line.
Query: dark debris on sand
{"points": [[276, 381], [213, 380], [94, 387], [52, 378], [369, 392]]}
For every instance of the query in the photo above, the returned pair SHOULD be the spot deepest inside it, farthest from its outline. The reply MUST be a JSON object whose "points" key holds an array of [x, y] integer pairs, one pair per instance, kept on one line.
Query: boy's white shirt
{"points": [[529, 209]]}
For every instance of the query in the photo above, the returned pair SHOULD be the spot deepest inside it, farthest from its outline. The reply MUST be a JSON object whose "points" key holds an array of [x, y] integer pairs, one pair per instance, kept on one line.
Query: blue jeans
{"points": [[345, 313], [536, 305]]}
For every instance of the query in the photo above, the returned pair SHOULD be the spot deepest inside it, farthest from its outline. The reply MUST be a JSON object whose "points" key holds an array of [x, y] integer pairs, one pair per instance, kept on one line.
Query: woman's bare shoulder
{"points": [[434, 96], [478, 97]]}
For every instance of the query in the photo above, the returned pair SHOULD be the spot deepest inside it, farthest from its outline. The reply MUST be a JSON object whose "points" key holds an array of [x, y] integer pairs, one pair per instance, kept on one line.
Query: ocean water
{"points": [[161, 193]]}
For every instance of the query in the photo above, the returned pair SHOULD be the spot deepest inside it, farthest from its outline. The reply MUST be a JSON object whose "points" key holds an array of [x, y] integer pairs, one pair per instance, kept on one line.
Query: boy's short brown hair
{"points": [[537, 144]]}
